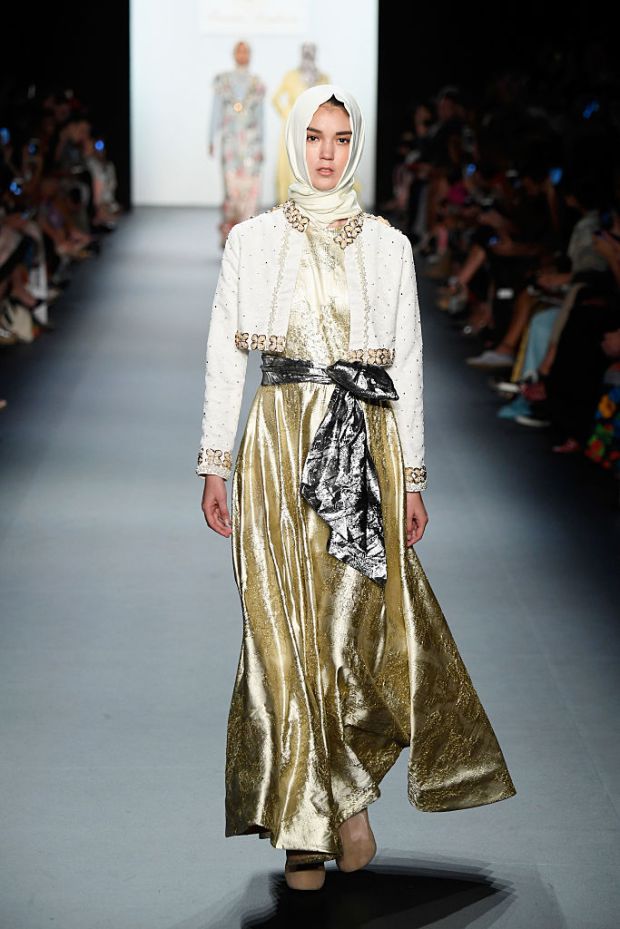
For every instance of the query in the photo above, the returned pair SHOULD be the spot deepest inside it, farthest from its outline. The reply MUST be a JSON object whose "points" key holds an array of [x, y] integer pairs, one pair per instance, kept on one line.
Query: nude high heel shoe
{"points": [[358, 842], [302, 874]]}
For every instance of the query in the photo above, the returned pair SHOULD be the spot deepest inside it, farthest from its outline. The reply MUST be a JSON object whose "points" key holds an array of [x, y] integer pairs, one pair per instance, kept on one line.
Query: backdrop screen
{"points": [[177, 49]]}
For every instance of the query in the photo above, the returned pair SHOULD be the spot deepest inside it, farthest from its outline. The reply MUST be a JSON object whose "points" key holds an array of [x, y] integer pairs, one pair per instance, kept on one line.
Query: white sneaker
{"points": [[492, 359], [507, 390], [533, 421], [506, 387]]}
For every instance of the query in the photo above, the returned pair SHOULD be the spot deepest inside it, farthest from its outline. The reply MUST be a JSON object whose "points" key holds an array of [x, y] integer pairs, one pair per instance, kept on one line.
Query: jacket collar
{"points": [[345, 236]]}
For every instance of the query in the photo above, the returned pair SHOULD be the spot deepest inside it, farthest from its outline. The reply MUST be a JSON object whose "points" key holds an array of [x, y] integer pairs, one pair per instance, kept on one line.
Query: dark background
{"points": [[433, 45], [86, 46], [82, 45]]}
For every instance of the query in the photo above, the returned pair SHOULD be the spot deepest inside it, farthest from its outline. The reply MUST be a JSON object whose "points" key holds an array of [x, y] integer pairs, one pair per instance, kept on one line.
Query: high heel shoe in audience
{"points": [[358, 842], [301, 873]]}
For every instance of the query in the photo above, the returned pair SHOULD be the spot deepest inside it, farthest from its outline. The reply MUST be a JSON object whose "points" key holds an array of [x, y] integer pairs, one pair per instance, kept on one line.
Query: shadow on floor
{"points": [[390, 893]]}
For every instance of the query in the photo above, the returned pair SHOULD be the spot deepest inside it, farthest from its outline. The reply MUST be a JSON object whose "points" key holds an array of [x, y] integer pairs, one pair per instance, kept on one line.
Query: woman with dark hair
{"points": [[346, 656]]}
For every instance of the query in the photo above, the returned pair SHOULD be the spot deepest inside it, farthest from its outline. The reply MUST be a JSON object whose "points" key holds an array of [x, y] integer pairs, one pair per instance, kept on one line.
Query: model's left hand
{"points": [[417, 517]]}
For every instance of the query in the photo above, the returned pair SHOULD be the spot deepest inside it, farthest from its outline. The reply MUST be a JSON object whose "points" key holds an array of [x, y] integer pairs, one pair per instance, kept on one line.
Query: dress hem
{"points": [[363, 799]]}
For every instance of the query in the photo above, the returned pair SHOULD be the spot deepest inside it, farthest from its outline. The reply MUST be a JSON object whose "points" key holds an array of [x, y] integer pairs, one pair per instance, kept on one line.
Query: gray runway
{"points": [[121, 631]]}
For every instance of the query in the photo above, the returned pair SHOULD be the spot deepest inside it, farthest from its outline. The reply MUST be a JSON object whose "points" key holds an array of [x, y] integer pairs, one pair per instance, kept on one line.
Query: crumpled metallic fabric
{"points": [[338, 674], [339, 478]]}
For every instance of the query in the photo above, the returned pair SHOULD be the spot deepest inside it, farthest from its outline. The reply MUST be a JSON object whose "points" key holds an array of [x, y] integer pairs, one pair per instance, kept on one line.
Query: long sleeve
{"points": [[225, 368], [215, 121], [407, 374], [260, 117]]}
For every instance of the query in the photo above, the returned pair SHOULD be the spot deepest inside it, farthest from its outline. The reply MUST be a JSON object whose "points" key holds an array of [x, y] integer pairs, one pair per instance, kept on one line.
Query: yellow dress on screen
{"points": [[293, 84]]}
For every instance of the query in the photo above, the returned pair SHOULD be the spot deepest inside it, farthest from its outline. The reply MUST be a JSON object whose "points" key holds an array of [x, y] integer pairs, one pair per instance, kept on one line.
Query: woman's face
{"points": [[328, 144], [242, 54]]}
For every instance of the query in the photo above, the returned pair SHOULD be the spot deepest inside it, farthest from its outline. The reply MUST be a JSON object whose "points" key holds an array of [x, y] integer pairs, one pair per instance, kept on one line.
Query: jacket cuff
{"points": [[214, 461], [415, 479]]}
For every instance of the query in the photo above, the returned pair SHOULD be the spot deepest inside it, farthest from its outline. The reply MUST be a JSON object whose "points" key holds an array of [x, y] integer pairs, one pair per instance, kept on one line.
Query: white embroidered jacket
{"points": [[251, 310]]}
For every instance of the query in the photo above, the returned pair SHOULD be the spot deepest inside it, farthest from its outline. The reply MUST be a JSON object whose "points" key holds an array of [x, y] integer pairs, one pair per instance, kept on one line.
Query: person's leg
{"points": [[228, 206], [246, 196], [358, 842], [538, 343], [504, 353], [302, 874], [521, 313], [473, 263]]}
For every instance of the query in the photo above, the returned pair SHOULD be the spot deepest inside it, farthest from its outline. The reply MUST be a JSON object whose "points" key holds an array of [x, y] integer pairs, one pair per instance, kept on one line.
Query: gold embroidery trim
{"points": [[374, 356], [260, 341], [415, 475], [350, 231], [295, 217], [214, 456], [277, 343], [345, 236]]}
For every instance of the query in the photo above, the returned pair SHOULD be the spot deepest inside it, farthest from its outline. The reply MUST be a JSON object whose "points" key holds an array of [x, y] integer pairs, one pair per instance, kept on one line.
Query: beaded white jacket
{"points": [[251, 309]]}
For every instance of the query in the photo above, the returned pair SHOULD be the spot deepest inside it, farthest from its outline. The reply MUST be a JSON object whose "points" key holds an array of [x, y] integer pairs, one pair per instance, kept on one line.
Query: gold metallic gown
{"points": [[336, 674]]}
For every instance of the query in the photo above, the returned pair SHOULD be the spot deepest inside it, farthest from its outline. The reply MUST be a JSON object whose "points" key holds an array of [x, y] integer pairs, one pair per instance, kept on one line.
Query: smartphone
{"points": [[5, 136], [606, 219], [555, 175]]}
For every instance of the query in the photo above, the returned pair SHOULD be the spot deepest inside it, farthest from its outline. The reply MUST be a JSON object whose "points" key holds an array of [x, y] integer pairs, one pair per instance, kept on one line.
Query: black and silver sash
{"points": [[339, 478]]}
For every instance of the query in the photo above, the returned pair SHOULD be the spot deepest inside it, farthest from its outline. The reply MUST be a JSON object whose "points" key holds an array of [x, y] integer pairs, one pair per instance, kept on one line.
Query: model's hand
{"points": [[417, 517], [214, 505]]}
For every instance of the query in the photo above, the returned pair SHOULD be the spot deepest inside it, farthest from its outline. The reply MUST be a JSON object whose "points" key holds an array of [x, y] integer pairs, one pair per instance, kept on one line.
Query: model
{"points": [[346, 656], [294, 82], [237, 113]]}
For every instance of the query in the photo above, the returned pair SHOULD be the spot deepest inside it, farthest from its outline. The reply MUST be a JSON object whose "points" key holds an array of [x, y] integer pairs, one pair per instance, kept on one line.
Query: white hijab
{"points": [[323, 206]]}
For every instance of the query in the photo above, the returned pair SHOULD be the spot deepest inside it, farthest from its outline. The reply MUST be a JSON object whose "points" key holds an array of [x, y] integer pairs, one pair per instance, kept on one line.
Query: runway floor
{"points": [[121, 632]]}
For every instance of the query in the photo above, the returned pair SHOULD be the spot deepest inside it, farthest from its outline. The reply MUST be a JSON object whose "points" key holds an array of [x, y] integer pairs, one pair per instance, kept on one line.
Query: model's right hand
{"points": [[214, 505]]}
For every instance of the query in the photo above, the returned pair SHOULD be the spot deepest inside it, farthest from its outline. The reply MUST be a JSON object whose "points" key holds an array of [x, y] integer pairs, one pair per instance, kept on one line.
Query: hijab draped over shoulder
{"points": [[323, 206]]}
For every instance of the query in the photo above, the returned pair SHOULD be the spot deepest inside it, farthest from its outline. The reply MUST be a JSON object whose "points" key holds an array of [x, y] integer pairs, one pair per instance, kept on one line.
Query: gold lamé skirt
{"points": [[336, 674]]}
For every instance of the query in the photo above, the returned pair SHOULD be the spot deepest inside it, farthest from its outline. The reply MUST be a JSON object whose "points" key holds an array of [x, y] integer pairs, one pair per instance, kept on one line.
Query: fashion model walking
{"points": [[346, 656], [237, 117]]}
